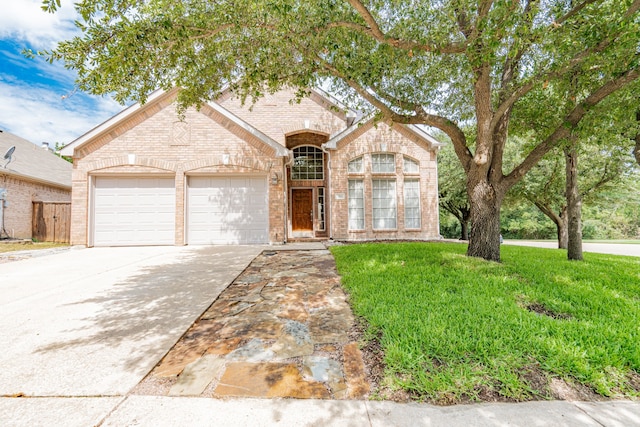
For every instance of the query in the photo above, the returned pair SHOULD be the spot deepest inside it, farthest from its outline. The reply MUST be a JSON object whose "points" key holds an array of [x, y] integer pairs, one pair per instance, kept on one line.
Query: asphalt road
{"points": [[602, 248]]}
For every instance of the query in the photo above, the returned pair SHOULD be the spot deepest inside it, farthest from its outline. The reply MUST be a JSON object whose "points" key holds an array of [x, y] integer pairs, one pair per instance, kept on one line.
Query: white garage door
{"points": [[227, 210], [134, 211]]}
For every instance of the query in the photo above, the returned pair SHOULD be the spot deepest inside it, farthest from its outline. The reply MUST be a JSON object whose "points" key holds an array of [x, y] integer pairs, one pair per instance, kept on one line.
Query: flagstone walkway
{"points": [[281, 329]]}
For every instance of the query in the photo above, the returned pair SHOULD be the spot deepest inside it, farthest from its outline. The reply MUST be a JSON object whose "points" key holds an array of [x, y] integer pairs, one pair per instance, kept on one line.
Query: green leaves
{"points": [[50, 5]]}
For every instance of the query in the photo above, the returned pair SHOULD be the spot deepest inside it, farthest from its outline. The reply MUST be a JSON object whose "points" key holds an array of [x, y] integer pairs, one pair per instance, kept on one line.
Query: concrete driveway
{"points": [[94, 322]]}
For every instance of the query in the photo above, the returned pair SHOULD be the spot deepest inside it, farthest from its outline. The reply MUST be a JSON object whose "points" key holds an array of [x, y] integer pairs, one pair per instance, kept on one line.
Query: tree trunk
{"points": [[574, 205], [560, 220], [484, 240], [636, 149], [563, 232], [464, 233]]}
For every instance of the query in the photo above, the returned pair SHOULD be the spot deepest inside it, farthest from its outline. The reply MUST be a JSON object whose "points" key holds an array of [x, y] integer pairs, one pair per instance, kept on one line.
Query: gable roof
{"points": [[109, 124], [418, 131], [280, 150], [33, 162], [157, 95]]}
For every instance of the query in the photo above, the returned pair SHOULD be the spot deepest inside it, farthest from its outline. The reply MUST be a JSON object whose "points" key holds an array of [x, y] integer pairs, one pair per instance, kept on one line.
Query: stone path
{"points": [[281, 329]]}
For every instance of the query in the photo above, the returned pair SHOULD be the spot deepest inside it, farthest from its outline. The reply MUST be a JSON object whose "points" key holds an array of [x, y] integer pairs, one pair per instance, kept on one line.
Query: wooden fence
{"points": [[51, 221]]}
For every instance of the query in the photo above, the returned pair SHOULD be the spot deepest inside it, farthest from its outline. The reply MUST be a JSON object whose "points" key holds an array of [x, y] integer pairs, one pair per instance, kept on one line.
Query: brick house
{"points": [[233, 174], [34, 174]]}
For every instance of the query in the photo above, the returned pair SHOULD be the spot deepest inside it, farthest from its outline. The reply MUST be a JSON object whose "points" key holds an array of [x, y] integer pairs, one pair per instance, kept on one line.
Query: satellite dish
{"points": [[8, 154]]}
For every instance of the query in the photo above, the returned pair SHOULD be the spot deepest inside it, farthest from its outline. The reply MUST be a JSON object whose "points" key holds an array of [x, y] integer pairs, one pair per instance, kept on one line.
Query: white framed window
{"points": [[356, 204], [308, 163], [321, 220], [411, 203], [410, 165], [384, 204], [356, 165], [383, 163]]}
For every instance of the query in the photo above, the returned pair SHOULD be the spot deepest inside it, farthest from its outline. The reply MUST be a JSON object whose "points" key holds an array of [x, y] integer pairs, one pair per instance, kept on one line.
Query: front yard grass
{"points": [[456, 329], [13, 247]]}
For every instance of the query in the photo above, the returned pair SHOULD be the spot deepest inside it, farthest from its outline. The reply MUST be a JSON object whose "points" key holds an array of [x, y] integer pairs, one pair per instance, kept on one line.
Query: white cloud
{"points": [[39, 113], [25, 20]]}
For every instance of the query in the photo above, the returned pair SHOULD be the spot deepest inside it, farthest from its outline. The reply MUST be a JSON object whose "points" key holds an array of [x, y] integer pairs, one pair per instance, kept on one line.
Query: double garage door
{"points": [[142, 211]]}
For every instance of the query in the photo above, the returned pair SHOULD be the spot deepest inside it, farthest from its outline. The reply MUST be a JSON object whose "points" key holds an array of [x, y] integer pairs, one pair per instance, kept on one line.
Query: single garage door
{"points": [[226, 210], [134, 211]]}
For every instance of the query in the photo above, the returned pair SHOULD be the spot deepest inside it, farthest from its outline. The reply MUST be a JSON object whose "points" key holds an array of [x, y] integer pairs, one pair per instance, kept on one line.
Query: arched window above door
{"points": [[308, 163]]}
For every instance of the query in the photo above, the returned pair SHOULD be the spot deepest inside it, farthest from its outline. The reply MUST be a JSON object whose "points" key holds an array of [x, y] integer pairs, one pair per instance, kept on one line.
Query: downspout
{"points": [[286, 162], [327, 195]]}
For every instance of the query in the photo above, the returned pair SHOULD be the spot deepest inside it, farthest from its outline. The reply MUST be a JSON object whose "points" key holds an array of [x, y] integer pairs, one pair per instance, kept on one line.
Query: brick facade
{"points": [[156, 141], [21, 193]]}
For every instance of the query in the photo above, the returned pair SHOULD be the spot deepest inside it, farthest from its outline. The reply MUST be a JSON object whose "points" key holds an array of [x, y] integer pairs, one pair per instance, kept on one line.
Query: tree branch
{"points": [[636, 149], [458, 138], [607, 177], [573, 11], [373, 29], [547, 211], [570, 122], [579, 58], [511, 63]]}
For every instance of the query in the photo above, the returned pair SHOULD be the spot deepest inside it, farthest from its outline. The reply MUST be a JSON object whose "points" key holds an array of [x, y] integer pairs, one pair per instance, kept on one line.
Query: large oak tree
{"points": [[442, 63]]}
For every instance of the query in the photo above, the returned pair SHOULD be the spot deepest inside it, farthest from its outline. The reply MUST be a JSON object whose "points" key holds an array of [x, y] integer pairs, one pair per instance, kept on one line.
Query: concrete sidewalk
{"points": [[185, 411]]}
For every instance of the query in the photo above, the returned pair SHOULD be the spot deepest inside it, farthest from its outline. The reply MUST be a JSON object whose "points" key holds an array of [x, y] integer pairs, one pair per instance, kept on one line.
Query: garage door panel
{"points": [[227, 210], [134, 211]]}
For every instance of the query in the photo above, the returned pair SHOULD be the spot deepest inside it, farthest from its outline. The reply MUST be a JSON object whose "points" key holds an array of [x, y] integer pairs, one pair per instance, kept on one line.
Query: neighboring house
{"points": [[233, 174], [33, 174]]}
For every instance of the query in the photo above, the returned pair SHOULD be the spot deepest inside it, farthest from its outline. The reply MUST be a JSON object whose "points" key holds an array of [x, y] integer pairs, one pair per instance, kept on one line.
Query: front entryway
{"points": [[307, 182], [302, 209]]}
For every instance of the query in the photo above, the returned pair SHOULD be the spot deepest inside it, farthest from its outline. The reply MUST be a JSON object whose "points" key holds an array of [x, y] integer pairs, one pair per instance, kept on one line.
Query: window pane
{"points": [[411, 166], [383, 163], [355, 165], [412, 203], [321, 221], [308, 163], [384, 204], [356, 204]]}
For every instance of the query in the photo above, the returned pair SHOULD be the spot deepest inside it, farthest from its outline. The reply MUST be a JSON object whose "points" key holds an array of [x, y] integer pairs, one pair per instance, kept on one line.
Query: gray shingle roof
{"points": [[32, 161]]}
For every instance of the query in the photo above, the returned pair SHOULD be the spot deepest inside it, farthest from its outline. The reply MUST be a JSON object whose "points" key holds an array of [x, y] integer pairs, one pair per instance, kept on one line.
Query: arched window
{"points": [[308, 163], [383, 163], [356, 165], [410, 165]]}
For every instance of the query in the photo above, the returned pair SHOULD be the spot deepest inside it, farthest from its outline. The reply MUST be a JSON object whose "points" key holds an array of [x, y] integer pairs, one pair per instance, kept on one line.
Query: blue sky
{"points": [[38, 100]]}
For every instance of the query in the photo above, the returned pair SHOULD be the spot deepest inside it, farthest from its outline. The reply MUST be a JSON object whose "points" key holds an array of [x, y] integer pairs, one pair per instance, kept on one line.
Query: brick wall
{"points": [[277, 116], [20, 197], [155, 141], [384, 139]]}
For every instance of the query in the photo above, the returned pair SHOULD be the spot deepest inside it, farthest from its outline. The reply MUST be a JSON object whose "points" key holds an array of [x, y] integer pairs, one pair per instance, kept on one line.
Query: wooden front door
{"points": [[302, 209]]}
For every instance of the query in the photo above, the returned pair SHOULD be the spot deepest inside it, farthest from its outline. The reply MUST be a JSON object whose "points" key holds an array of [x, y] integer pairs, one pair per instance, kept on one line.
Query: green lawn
{"points": [[455, 328], [13, 247]]}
